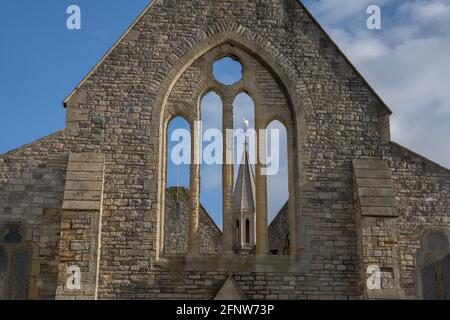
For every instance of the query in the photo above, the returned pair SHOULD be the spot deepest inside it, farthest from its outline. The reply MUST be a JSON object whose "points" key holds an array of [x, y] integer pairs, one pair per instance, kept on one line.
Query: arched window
{"points": [[2, 274], [178, 158], [277, 187], [238, 233], [445, 265], [15, 262], [277, 159], [212, 147], [247, 231], [19, 279], [235, 190], [178, 153], [433, 265], [244, 192], [244, 126]]}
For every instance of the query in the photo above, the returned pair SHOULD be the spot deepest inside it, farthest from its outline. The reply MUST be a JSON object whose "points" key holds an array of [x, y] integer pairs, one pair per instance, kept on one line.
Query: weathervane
{"points": [[246, 124]]}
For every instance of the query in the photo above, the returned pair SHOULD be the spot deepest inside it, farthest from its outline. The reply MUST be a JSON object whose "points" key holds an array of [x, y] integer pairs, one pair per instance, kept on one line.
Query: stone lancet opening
{"points": [[211, 109], [277, 188]]}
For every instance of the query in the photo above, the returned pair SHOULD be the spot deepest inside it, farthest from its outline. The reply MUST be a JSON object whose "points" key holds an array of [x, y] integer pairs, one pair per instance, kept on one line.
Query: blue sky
{"points": [[41, 61], [406, 62], [211, 175]]}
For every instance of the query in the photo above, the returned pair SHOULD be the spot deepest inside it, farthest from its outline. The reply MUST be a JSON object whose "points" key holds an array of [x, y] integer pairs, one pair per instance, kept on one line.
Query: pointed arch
{"points": [[243, 110], [211, 115], [278, 183], [432, 265], [269, 57], [177, 182], [247, 231], [15, 262]]}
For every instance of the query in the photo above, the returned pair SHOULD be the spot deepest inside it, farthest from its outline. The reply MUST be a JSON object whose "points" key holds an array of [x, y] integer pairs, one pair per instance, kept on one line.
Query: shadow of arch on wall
{"points": [[296, 106]]}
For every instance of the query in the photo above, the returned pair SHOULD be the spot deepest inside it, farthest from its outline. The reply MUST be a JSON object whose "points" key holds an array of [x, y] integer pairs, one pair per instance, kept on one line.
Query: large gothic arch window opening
{"points": [[228, 206]]}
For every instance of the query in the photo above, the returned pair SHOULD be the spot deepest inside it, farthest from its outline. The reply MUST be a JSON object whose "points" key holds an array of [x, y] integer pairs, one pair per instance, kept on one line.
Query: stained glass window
{"points": [[13, 235], [2, 274], [429, 283], [14, 264], [445, 265], [20, 275]]}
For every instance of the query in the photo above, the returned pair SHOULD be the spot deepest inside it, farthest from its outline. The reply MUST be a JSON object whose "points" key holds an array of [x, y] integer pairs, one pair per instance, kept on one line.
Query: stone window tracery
{"points": [[247, 228], [433, 266], [15, 263]]}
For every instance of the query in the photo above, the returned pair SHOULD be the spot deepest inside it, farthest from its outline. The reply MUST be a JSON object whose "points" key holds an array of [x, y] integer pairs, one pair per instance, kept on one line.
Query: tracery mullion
{"points": [[194, 237], [227, 174]]}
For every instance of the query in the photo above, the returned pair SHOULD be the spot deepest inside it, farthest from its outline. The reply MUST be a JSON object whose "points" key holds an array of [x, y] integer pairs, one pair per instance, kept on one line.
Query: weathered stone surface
{"points": [[177, 224], [374, 188], [161, 69]]}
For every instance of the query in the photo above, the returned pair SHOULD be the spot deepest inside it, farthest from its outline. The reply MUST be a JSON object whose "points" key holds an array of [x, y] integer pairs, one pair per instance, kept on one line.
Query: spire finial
{"points": [[246, 124]]}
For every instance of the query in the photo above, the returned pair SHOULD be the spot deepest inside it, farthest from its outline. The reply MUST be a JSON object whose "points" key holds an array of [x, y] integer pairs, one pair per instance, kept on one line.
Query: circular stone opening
{"points": [[227, 71]]}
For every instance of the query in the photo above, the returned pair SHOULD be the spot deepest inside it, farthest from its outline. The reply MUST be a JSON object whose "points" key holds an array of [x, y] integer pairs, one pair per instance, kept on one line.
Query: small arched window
{"points": [[238, 233], [434, 267], [247, 231], [2, 274], [15, 261]]}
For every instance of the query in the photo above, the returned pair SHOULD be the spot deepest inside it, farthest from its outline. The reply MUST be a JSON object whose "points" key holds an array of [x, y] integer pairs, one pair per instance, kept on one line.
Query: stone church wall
{"points": [[177, 224], [31, 195], [279, 232], [423, 193], [117, 111]]}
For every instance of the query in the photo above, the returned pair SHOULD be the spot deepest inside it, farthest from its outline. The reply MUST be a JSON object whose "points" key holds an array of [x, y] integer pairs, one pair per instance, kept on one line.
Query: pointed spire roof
{"points": [[244, 190]]}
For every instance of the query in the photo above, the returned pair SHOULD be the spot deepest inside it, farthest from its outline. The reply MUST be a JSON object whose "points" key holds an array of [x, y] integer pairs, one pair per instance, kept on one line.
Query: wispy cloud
{"points": [[407, 63]]}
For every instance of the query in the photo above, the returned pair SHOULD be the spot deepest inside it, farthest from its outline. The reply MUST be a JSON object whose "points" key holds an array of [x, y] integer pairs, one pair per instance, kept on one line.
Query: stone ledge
{"points": [[234, 263]]}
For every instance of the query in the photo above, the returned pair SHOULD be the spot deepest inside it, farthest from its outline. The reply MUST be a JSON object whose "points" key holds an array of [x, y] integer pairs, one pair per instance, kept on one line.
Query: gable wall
{"points": [[117, 111], [423, 194], [31, 194]]}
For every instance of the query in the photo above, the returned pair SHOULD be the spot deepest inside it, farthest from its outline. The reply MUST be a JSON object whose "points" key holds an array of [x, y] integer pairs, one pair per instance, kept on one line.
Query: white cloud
{"points": [[407, 63]]}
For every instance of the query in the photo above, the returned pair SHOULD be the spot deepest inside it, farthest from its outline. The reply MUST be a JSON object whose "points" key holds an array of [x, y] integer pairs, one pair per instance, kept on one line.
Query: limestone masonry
{"points": [[366, 217]]}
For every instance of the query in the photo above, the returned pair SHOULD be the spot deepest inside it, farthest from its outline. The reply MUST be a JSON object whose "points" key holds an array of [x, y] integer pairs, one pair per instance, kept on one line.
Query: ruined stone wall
{"points": [[31, 195], [423, 194], [177, 224], [117, 111], [279, 232], [255, 285]]}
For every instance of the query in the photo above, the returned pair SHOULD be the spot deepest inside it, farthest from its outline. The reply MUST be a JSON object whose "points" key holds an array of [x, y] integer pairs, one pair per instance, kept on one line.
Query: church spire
{"points": [[244, 191], [244, 206]]}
